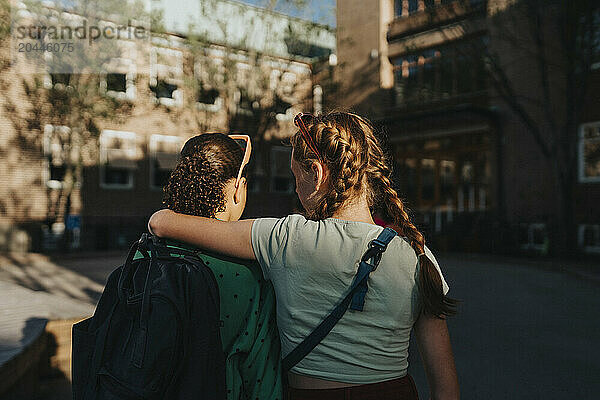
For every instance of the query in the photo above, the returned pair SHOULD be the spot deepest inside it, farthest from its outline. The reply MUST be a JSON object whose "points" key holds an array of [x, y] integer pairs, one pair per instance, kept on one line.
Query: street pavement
{"points": [[526, 329], [523, 331]]}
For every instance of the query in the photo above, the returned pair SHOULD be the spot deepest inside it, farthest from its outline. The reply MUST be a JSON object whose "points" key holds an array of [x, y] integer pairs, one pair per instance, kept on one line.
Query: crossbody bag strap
{"points": [[376, 248]]}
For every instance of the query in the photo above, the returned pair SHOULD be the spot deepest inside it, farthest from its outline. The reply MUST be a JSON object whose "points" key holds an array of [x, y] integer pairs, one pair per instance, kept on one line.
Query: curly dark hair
{"points": [[196, 186]]}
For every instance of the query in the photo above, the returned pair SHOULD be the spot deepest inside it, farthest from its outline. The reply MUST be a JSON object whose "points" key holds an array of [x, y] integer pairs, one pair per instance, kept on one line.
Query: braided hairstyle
{"points": [[356, 162], [196, 185]]}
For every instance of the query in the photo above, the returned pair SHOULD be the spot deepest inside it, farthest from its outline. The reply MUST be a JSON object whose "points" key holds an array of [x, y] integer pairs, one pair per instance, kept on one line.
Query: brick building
{"points": [[466, 163], [226, 84]]}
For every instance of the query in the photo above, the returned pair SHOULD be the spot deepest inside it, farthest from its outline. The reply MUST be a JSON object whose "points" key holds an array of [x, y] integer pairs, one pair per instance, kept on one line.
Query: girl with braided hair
{"points": [[341, 175]]}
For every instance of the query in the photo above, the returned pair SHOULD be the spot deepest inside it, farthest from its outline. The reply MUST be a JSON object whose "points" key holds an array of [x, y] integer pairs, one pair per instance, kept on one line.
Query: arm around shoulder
{"points": [[229, 238], [436, 352]]}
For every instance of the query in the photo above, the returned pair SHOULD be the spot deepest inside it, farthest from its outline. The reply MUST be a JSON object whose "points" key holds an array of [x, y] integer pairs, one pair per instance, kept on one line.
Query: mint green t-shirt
{"points": [[312, 265]]}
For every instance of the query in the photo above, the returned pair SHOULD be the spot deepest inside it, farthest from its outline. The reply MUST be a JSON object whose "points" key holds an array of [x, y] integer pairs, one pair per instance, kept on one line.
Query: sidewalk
{"points": [[34, 291], [24, 314], [79, 278], [588, 269]]}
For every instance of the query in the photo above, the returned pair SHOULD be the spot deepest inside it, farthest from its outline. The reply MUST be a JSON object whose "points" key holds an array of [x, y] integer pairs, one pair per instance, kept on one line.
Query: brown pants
{"points": [[398, 389]]}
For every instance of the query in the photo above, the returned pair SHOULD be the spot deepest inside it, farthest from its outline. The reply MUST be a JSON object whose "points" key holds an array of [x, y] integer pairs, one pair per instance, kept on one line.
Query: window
{"points": [[164, 90], [166, 76], [57, 145], [589, 238], [256, 175], [245, 103], [595, 61], [118, 159], [533, 237], [63, 79], [282, 109], [428, 78], [243, 73], [164, 153], [287, 84], [119, 85], [58, 81], [281, 174], [589, 152], [283, 84], [119, 80], [407, 79], [413, 6], [207, 96], [427, 180], [419, 5], [407, 178], [466, 193], [274, 79], [245, 96], [448, 181], [116, 82], [209, 73]]}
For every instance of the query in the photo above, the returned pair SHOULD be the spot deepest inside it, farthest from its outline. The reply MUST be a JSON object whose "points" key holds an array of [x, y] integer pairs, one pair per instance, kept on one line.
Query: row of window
{"points": [[535, 237], [424, 181], [167, 79], [452, 184], [456, 173], [404, 8], [453, 173], [119, 154], [438, 74]]}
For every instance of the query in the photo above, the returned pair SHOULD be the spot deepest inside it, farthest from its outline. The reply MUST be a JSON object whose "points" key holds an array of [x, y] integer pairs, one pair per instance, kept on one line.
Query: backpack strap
{"points": [[139, 347], [138, 245], [376, 249]]}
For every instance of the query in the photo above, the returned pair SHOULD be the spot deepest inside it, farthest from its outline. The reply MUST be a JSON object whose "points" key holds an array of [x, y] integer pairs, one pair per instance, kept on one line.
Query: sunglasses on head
{"points": [[301, 120], [246, 144]]}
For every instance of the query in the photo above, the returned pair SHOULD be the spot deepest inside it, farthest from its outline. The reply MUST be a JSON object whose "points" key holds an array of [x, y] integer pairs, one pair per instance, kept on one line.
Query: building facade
{"points": [[466, 163], [63, 186]]}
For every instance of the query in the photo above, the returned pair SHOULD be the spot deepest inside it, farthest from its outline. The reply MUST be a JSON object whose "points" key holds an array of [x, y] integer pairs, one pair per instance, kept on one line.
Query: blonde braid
{"points": [[341, 151]]}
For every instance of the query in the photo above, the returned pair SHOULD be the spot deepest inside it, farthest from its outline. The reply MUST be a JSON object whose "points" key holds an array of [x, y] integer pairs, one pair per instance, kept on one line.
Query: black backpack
{"points": [[155, 332]]}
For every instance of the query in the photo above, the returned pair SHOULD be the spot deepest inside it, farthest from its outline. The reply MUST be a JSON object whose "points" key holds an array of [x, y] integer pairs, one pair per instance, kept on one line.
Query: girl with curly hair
{"points": [[341, 175], [207, 183]]}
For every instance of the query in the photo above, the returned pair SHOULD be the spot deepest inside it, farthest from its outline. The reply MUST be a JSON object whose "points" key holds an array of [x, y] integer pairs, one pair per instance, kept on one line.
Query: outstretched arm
{"points": [[229, 238], [436, 352]]}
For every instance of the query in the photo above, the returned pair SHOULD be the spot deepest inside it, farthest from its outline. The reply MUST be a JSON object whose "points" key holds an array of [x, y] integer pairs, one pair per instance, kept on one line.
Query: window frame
{"points": [[124, 65], [580, 238], [152, 144], [201, 76], [46, 173], [256, 173], [273, 175], [47, 82], [581, 152], [531, 228], [176, 70], [125, 135]]}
